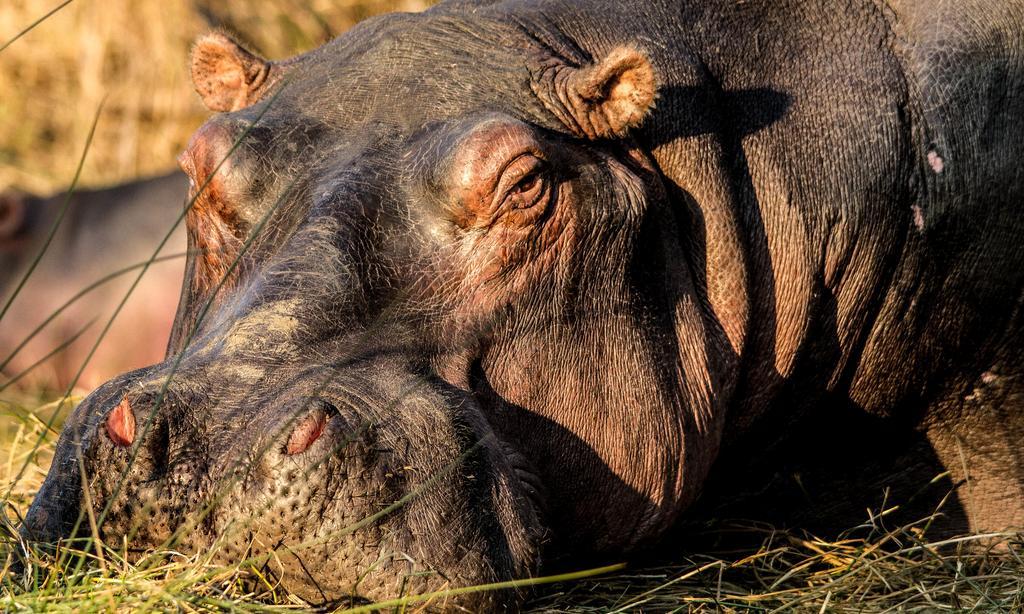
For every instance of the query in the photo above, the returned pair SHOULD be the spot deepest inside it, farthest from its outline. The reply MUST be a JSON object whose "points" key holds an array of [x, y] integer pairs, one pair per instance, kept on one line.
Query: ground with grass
{"points": [[129, 56], [727, 565]]}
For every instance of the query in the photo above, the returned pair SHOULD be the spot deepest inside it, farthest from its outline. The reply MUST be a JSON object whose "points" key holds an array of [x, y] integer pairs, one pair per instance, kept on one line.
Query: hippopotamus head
{"points": [[436, 316]]}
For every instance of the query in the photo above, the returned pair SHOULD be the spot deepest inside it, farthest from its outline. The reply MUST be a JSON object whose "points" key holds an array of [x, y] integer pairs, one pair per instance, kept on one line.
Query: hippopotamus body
{"points": [[105, 231], [482, 286]]}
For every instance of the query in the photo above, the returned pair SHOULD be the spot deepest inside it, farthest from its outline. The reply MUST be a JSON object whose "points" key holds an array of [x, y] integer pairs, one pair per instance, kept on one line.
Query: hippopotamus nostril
{"points": [[310, 428], [121, 424]]}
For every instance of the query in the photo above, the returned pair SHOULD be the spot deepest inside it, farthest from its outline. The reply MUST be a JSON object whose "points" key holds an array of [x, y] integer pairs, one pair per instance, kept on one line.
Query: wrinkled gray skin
{"points": [[104, 231], [822, 205]]}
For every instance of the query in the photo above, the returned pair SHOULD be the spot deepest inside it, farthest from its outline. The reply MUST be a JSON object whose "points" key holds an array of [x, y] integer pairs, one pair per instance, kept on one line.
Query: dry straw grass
{"points": [[131, 53]]}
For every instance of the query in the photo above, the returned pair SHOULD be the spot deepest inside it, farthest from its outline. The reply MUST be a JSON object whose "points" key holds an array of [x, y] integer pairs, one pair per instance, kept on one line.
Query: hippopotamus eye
{"points": [[309, 429], [526, 185], [525, 177]]}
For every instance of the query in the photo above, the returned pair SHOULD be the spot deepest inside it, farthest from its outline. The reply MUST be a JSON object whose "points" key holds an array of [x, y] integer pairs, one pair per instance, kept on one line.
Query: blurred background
{"points": [[131, 56], [134, 53]]}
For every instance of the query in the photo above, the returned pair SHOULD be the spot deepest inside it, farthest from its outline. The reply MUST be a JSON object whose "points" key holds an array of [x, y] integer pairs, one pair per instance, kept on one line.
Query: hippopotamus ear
{"points": [[227, 76], [605, 99]]}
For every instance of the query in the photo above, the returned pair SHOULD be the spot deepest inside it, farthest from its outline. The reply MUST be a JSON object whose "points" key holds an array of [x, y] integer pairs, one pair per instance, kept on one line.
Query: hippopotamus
{"points": [[474, 290], [105, 231]]}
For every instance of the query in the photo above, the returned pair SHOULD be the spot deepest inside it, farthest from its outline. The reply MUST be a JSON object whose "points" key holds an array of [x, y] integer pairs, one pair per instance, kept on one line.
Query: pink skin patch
{"points": [[121, 424], [988, 377], [306, 433], [936, 162], [918, 216]]}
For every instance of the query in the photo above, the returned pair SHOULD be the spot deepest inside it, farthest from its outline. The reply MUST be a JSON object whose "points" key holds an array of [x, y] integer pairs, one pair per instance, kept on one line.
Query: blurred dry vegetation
{"points": [[133, 53]]}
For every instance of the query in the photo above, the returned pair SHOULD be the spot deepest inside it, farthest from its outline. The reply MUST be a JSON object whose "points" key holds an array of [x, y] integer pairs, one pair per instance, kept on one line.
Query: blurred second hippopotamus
{"points": [[104, 231]]}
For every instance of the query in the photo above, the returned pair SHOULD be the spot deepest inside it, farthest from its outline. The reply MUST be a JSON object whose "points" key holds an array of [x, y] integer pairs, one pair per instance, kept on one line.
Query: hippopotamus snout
{"points": [[155, 449], [318, 470], [160, 458]]}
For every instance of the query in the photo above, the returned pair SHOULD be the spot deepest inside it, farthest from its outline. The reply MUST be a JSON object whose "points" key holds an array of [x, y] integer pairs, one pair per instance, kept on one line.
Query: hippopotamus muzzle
{"points": [[331, 484]]}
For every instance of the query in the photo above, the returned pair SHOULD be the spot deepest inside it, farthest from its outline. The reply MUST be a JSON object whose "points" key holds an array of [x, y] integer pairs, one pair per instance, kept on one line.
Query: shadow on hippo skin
{"points": [[517, 426], [813, 460], [748, 111], [824, 476], [730, 116], [816, 461], [821, 477], [873, 447]]}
